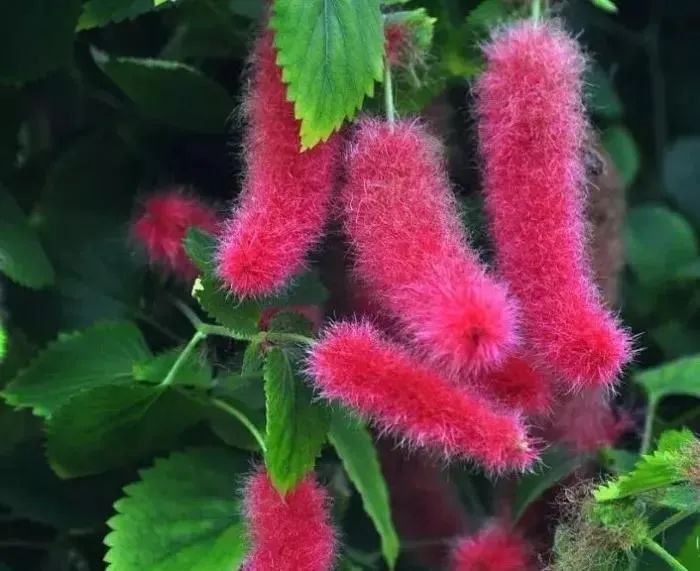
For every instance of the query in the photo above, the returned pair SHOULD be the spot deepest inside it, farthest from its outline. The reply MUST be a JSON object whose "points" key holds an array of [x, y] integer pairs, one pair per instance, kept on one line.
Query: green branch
{"points": [[656, 549]]}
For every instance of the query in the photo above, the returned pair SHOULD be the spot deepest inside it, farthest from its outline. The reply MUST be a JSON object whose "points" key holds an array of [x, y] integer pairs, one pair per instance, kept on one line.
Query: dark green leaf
{"points": [[239, 316], [102, 355], [22, 257], [182, 515], [195, 371], [355, 448], [171, 92], [331, 55], [201, 249], [682, 175], [680, 377], [98, 13], [36, 37], [296, 428], [110, 426], [603, 100], [690, 552], [619, 143]]}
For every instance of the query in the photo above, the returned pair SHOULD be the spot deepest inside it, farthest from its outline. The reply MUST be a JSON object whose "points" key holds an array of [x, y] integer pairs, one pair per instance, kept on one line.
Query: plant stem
{"points": [[655, 548], [536, 12], [389, 107], [648, 427], [243, 419], [671, 521], [287, 337], [191, 316], [192, 343]]}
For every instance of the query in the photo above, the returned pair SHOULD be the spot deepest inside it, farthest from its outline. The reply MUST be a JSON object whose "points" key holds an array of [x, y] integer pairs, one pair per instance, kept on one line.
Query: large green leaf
{"points": [[98, 13], [22, 257], [682, 174], [194, 371], [296, 427], [36, 37], [102, 355], [680, 377], [331, 55], [659, 242], [182, 515], [110, 426], [355, 448], [171, 92]]}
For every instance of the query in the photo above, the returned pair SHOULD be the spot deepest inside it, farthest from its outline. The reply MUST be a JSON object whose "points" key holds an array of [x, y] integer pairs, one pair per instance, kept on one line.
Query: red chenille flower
{"points": [[532, 130], [493, 549], [412, 254], [286, 192], [354, 364], [288, 533], [163, 224]]}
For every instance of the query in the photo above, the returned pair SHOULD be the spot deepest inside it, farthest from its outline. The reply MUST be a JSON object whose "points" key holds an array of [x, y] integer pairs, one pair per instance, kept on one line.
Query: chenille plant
{"points": [[303, 285]]}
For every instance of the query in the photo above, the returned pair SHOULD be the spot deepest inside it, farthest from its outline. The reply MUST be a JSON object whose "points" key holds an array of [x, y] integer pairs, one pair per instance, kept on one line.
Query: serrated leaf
{"points": [[556, 464], [111, 426], [606, 5], [239, 316], [101, 355], [331, 55], [98, 13], [182, 514], [171, 92], [296, 427], [194, 371], [22, 258], [619, 143], [679, 377], [355, 448], [200, 247]]}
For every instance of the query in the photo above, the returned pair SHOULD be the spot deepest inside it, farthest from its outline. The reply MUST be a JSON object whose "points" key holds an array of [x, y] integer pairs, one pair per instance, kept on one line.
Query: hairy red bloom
{"points": [[532, 130], [286, 192], [411, 252], [355, 365], [493, 549], [163, 224], [288, 533]]}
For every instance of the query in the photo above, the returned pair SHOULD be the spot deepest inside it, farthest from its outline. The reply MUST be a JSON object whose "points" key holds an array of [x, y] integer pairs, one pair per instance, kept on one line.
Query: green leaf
{"points": [[22, 257], [606, 5], [3, 342], [239, 316], [200, 247], [36, 37], [296, 427], [487, 14], [682, 175], [679, 377], [195, 371], [690, 552], [658, 241], [603, 100], [331, 55], [102, 355], [619, 143], [557, 463], [111, 426], [354, 446], [170, 92], [182, 514], [98, 13]]}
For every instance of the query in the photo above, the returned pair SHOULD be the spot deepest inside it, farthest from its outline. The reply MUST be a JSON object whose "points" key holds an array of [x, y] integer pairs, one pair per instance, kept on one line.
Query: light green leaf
{"points": [[619, 143], [98, 13], [331, 55], [354, 446], [296, 427], [101, 355], [195, 371], [22, 257], [658, 241], [679, 377], [557, 463], [110, 426], [682, 175], [171, 92], [606, 5], [690, 552], [182, 514], [487, 14]]}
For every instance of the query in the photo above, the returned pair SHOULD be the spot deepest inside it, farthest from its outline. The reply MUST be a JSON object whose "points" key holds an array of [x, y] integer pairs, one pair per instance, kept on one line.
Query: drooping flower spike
{"points": [[532, 129], [411, 252], [492, 549], [286, 192], [354, 364]]}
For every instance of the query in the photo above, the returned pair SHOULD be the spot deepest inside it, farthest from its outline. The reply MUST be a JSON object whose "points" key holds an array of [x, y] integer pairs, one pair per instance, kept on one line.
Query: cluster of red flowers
{"points": [[472, 350]]}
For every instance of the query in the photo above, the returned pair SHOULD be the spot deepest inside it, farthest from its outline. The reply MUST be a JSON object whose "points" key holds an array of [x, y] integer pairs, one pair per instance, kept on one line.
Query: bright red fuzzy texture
{"points": [[288, 533], [411, 252], [354, 364], [494, 549], [532, 130], [163, 224], [286, 193]]}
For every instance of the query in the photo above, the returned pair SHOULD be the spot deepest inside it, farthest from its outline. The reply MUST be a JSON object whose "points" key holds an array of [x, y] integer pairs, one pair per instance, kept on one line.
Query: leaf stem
{"points": [[671, 521], [191, 344], [243, 419], [648, 427], [536, 12], [655, 548], [389, 106]]}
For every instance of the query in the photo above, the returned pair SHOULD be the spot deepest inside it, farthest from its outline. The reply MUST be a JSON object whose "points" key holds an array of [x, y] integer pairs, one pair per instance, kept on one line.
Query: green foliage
{"points": [[606, 5], [196, 489], [355, 448], [99, 356], [690, 552], [680, 377], [682, 175], [331, 55], [98, 13], [618, 141], [296, 427], [22, 257], [194, 371]]}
